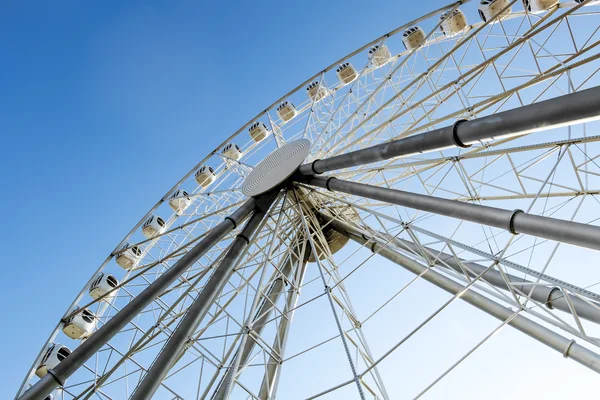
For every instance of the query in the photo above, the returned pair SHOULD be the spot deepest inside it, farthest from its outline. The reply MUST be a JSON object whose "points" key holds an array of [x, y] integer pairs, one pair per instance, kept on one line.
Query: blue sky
{"points": [[103, 106], [96, 100]]}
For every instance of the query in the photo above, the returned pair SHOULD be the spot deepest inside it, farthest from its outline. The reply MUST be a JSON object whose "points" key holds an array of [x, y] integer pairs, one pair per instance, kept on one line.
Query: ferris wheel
{"points": [[448, 170]]}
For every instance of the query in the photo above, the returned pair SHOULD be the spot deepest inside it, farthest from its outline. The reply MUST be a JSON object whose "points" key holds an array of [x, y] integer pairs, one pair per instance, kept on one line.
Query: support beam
{"points": [[515, 221], [551, 297], [273, 367], [564, 110], [262, 315], [57, 376], [568, 348], [197, 311]]}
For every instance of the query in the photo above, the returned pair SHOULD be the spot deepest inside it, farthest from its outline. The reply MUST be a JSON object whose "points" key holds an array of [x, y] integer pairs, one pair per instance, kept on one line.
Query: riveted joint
{"points": [[549, 305], [373, 249], [455, 137], [241, 236], [312, 167], [57, 377], [232, 221], [567, 348], [511, 221], [327, 183]]}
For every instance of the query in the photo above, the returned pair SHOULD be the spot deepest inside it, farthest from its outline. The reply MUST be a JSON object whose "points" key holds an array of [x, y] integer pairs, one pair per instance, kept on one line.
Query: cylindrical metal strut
{"points": [[568, 348], [567, 109], [515, 221], [263, 314], [273, 367], [57, 376], [199, 308], [551, 297]]}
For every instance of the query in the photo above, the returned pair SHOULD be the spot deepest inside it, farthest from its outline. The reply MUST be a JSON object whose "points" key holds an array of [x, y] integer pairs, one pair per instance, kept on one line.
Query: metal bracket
{"points": [[511, 221], [455, 137]]}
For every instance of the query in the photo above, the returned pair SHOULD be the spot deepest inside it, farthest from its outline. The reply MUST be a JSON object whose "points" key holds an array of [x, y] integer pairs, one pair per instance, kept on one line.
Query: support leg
{"points": [[568, 348], [196, 312], [57, 376]]}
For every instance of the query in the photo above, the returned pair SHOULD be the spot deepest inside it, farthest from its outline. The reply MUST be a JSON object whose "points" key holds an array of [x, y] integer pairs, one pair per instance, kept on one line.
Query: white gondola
{"points": [[286, 111], [488, 9], [346, 73], [258, 131], [413, 37], [317, 92], [180, 200], [129, 257], [380, 55], [232, 151], [54, 355], [205, 176], [80, 325], [453, 22], [153, 226], [534, 6], [103, 284]]}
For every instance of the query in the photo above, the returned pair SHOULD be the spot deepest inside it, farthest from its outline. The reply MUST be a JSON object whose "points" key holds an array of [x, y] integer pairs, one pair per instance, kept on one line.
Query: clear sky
{"points": [[104, 105]]}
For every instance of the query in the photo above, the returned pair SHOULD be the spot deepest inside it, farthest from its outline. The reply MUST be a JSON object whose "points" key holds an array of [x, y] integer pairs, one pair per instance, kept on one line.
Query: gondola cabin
{"points": [[317, 92], [489, 9], [258, 132], [179, 201], [286, 111], [453, 22], [205, 176], [346, 73], [53, 356], [102, 285], [232, 151], [153, 226], [80, 325], [379, 55], [128, 258], [413, 37], [535, 6]]}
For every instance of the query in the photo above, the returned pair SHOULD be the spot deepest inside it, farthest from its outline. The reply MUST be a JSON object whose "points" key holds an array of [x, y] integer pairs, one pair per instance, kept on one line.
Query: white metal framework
{"points": [[289, 291]]}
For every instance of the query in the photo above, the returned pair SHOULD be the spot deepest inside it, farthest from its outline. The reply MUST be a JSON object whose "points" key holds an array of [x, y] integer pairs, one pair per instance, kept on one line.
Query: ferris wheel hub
{"points": [[276, 167]]}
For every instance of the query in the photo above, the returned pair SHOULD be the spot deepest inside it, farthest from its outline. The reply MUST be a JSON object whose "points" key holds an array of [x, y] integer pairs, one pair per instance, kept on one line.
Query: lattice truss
{"points": [[303, 294]]}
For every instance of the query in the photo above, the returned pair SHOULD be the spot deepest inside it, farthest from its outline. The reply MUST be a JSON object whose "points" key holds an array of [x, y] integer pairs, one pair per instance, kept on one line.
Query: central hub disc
{"points": [[276, 167]]}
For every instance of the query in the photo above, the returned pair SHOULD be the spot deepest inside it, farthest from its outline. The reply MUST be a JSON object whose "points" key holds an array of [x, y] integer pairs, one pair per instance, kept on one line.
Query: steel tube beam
{"points": [[57, 376], [568, 348], [273, 367], [551, 297], [262, 315], [563, 110], [515, 221], [197, 311]]}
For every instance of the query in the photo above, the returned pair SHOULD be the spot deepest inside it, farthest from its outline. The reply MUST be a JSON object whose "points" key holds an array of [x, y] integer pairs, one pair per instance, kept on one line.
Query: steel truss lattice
{"points": [[500, 116]]}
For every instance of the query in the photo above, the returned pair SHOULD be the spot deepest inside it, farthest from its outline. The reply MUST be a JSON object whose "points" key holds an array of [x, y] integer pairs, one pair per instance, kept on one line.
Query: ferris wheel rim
{"points": [[245, 126]]}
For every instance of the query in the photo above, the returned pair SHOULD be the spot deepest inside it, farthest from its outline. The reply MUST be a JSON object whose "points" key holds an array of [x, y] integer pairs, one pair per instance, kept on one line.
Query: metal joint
{"points": [[455, 137], [549, 299], [312, 167], [242, 236], [373, 247], [56, 377], [232, 221], [567, 348], [327, 183], [511, 221]]}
